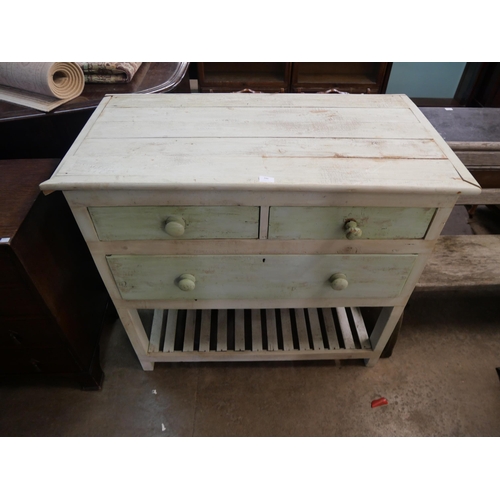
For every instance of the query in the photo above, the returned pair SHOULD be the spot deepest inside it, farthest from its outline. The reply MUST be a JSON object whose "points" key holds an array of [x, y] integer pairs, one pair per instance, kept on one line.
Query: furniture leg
{"points": [[382, 331]]}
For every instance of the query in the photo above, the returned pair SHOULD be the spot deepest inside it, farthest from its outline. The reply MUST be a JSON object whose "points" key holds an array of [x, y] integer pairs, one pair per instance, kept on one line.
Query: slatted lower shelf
{"points": [[258, 334]]}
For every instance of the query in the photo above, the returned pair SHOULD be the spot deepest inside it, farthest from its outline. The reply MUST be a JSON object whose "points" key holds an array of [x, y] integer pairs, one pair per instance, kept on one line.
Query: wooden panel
{"points": [[258, 122], [256, 276], [272, 332], [156, 331], [255, 100], [320, 223], [256, 330], [300, 322], [360, 328], [178, 150], [189, 330], [239, 330], [205, 330], [148, 223], [222, 330], [345, 328], [168, 345], [331, 331], [315, 328], [286, 329]]}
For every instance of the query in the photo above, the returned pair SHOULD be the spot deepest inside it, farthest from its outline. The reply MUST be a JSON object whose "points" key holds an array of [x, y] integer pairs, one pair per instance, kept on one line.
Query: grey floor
{"points": [[440, 381]]}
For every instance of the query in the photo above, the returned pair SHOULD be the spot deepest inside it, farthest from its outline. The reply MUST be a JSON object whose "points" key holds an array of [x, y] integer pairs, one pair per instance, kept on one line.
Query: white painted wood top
{"points": [[336, 143]]}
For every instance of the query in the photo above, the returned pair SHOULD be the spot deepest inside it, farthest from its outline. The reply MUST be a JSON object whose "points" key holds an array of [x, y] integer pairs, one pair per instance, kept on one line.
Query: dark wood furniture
{"points": [[237, 76], [28, 133], [351, 77], [52, 299], [355, 78]]}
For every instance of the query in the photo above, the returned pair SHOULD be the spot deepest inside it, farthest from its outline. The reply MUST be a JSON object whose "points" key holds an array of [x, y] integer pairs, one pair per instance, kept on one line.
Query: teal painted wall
{"points": [[424, 79]]}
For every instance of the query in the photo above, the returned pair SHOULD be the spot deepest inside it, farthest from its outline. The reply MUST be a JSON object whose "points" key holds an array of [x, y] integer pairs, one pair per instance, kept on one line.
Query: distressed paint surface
{"points": [[323, 223], [141, 277], [147, 223]]}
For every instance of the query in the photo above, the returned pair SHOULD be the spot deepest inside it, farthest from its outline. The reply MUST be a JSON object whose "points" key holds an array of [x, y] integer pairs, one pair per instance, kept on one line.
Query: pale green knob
{"points": [[352, 231], [186, 282], [339, 281], [175, 226]]}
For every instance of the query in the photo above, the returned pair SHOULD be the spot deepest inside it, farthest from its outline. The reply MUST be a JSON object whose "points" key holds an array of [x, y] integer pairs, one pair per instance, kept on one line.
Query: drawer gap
{"points": [[256, 330]]}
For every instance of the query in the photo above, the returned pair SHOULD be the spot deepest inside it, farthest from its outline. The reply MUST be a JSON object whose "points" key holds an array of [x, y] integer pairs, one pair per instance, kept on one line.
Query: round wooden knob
{"points": [[352, 231], [186, 282], [339, 281], [175, 226]]}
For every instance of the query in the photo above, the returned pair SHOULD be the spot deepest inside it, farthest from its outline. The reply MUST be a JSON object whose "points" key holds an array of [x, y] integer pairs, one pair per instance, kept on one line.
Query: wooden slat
{"points": [[259, 122], [474, 146], [163, 149], [239, 330], [256, 100], [256, 330], [206, 316], [360, 328], [331, 331], [300, 319], [286, 330], [315, 329], [485, 197], [189, 330], [473, 158], [345, 328], [154, 341], [272, 333], [222, 330], [168, 345]]}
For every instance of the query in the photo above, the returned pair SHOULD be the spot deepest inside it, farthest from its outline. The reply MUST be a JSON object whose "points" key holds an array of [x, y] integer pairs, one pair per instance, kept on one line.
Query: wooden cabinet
{"points": [[260, 226], [351, 77], [52, 299], [237, 76]]}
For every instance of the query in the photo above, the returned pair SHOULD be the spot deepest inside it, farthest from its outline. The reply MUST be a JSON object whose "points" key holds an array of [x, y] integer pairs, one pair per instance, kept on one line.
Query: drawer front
{"points": [[175, 223], [32, 332], [329, 223], [37, 361], [159, 277]]}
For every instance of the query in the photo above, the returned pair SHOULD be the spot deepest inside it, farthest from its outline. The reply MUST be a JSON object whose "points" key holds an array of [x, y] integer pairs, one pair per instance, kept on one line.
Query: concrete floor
{"points": [[440, 381]]}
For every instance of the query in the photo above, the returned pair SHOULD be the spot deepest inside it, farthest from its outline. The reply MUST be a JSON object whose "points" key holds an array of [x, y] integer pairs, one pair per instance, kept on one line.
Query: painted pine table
{"points": [[260, 227]]}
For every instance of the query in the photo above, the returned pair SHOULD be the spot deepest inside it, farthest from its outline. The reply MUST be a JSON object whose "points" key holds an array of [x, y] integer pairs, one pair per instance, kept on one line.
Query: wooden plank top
{"points": [[318, 142]]}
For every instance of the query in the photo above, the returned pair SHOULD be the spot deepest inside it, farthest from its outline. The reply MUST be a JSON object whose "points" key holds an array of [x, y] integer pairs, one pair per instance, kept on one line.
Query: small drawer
{"points": [[159, 277], [25, 333], [175, 223], [334, 223], [37, 361]]}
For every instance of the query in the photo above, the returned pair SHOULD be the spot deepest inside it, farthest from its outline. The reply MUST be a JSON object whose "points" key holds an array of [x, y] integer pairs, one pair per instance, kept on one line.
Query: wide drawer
{"points": [[158, 277], [166, 223], [329, 223]]}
